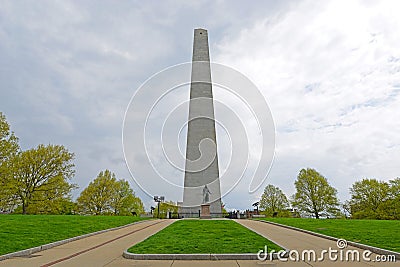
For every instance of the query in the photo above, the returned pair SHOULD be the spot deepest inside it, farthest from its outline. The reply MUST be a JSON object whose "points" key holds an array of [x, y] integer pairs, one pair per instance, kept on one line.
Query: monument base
{"points": [[205, 211]]}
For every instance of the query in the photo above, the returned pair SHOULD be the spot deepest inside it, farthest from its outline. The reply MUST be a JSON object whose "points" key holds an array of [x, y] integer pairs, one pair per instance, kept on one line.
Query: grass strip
{"points": [[18, 232], [378, 233], [203, 237]]}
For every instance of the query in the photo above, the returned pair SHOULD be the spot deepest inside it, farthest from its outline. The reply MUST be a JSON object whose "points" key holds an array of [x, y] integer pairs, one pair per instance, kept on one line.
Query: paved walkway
{"points": [[106, 249], [295, 240]]}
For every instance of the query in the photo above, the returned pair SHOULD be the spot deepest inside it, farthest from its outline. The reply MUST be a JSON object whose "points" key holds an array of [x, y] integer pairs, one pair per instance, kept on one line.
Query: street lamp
{"points": [[256, 204], [158, 199]]}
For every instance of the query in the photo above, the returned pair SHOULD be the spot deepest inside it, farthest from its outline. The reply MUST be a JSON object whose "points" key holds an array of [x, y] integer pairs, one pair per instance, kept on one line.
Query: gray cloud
{"points": [[69, 68], [329, 70]]}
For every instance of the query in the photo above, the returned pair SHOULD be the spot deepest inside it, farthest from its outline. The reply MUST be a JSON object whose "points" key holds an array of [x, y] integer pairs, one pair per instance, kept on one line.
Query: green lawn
{"points": [[378, 233], [203, 236], [18, 232]]}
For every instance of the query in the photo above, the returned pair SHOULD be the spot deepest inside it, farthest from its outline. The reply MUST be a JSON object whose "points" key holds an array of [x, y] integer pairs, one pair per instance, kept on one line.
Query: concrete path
{"points": [[295, 240], [106, 249]]}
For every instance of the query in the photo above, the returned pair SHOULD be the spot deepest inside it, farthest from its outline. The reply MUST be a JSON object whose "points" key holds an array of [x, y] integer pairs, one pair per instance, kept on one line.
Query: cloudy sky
{"points": [[329, 70]]}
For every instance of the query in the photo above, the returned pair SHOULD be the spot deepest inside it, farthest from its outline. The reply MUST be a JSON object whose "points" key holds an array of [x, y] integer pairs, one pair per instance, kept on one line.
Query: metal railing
{"points": [[182, 215]]}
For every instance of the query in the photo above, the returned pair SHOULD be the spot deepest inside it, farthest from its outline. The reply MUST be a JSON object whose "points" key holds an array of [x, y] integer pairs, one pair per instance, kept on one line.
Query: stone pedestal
{"points": [[205, 211]]}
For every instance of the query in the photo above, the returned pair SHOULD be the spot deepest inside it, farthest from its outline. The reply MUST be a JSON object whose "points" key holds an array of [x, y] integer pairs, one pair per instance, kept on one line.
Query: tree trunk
{"points": [[316, 215], [23, 207]]}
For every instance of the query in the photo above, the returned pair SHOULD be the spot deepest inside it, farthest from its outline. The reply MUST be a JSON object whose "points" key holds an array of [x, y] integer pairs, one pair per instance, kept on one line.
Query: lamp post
{"points": [[256, 204], [158, 199]]}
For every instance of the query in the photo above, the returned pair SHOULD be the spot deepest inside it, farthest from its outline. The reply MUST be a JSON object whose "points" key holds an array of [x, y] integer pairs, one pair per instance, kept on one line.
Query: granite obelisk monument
{"points": [[202, 184]]}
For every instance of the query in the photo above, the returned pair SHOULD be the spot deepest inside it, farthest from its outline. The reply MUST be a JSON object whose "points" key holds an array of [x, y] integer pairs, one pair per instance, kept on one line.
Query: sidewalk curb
{"points": [[375, 250], [206, 257], [29, 251]]}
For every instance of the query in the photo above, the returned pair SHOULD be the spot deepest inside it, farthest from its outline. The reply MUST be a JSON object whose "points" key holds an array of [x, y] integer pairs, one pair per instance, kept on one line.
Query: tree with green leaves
{"points": [[8, 148], [96, 198], [55, 200], [393, 210], [346, 209], [224, 212], [8, 141], [165, 207], [124, 201], [40, 175], [314, 195], [105, 195], [274, 201], [375, 199]]}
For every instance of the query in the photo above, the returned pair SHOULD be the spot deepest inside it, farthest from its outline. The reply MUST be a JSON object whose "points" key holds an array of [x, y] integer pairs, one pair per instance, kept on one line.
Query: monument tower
{"points": [[202, 183]]}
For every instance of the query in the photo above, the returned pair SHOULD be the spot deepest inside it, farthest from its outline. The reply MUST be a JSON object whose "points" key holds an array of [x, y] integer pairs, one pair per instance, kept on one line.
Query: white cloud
{"points": [[330, 72]]}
